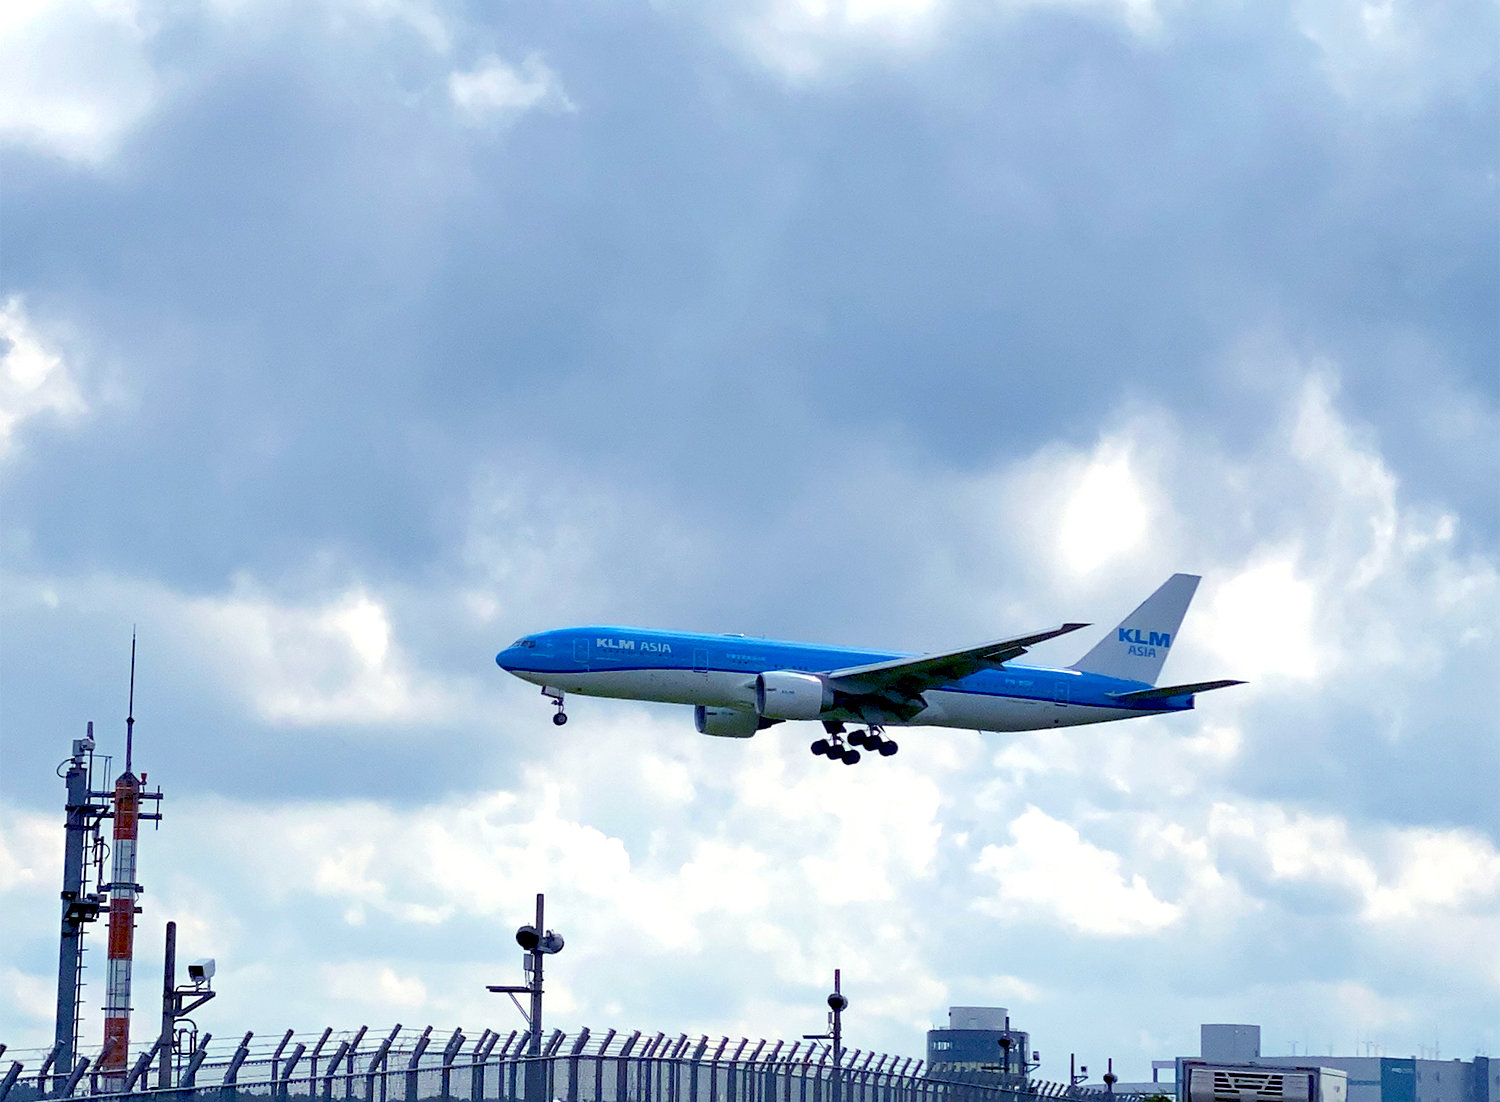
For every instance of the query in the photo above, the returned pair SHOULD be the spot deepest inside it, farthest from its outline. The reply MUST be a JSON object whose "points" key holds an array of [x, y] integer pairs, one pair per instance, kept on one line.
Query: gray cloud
{"points": [[965, 321]]}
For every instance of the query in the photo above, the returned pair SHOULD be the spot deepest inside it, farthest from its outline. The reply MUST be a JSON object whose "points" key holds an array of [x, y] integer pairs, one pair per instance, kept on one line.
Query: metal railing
{"points": [[425, 1066]]}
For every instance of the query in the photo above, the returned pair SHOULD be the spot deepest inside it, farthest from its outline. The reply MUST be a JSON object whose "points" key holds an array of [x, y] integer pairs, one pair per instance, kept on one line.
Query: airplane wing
{"points": [[908, 677], [1145, 696]]}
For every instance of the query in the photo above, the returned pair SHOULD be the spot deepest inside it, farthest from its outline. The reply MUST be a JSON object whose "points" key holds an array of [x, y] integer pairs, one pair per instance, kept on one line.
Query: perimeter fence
{"points": [[425, 1066]]}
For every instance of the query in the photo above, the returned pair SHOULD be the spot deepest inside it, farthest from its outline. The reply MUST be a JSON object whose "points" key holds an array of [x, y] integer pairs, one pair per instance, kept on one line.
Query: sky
{"points": [[342, 342]]}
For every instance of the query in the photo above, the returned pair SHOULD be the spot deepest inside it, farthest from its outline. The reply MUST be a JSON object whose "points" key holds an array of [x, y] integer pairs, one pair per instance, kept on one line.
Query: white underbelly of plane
{"points": [[981, 712], [721, 689]]}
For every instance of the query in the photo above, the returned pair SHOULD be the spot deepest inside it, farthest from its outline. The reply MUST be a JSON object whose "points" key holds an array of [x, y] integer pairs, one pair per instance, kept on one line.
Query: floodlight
{"points": [[528, 938]]}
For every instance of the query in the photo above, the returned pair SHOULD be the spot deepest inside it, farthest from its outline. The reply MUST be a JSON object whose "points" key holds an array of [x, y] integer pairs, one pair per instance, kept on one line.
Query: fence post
{"points": [[450, 1053], [411, 1065], [286, 1074], [72, 1083], [349, 1057], [317, 1050], [599, 1066], [573, 1054], [377, 1062], [144, 1061], [10, 1079], [227, 1089], [333, 1069], [189, 1077]]}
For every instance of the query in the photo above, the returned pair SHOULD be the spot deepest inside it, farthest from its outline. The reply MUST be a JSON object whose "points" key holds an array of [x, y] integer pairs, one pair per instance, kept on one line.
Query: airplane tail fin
{"points": [[1136, 649]]}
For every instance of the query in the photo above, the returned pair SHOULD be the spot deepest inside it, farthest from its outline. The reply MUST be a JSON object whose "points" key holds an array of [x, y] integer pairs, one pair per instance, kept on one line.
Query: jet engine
{"points": [[782, 694], [726, 722]]}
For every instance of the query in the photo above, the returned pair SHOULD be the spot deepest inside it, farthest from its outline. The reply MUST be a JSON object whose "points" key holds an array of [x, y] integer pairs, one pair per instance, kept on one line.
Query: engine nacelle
{"points": [[726, 722], [781, 694]]}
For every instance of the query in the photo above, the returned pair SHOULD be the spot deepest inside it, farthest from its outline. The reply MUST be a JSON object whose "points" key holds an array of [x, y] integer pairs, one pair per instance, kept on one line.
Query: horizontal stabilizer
{"points": [[1145, 696]]}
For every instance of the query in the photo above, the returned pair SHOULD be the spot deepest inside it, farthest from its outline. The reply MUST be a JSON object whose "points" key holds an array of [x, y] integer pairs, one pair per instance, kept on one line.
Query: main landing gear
{"points": [[556, 696], [834, 747]]}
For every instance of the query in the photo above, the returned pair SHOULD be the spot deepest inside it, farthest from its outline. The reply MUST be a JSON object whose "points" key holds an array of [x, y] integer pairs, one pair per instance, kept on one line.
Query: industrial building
{"points": [[979, 1039], [1370, 1078]]}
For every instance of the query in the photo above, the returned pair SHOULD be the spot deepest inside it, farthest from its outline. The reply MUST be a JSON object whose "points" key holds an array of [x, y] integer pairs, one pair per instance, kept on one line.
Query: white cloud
{"points": [[798, 38], [805, 40], [1107, 514], [30, 854], [1261, 621], [329, 662], [1390, 874], [1049, 871], [34, 379], [1396, 54], [34, 997], [495, 91], [372, 983], [75, 75]]}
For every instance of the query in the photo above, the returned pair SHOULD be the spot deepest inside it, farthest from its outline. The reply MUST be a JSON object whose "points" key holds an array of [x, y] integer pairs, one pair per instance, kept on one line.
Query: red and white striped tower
{"points": [[123, 891]]}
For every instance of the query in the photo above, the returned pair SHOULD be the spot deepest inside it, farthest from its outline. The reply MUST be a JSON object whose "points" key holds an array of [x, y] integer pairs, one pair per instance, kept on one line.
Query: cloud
{"points": [[1393, 55], [797, 39], [330, 663], [904, 324], [75, 75], [1049, 870], [495, 91], [34, 380], [1106, 514]]}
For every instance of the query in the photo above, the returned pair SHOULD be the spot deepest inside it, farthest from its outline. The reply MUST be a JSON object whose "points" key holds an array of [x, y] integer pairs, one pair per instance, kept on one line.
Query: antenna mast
{"points": [[130, 709]]}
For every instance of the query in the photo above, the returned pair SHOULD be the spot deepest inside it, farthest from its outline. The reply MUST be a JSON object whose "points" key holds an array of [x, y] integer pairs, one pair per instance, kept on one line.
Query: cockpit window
{"points": [[528, 643]]}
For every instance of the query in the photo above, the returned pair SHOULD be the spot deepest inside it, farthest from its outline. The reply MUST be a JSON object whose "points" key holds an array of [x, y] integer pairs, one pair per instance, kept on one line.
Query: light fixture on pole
{"points": [[537, 941], [836, 1006]]}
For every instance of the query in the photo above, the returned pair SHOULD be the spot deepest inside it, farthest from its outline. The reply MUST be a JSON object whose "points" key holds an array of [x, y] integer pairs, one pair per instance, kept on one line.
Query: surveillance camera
{"points": [[201, 971], [528, 938], [837, 1003]]}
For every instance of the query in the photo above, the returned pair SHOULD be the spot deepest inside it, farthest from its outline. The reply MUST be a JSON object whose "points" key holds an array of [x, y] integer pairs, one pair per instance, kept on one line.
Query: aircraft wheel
{"points": [[857, 738], [888, 748], [820, 747], [851, 757], [560, 718]]}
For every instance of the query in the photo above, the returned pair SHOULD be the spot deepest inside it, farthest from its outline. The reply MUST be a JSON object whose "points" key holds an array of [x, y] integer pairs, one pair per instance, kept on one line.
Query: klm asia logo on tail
{"points": [[1144, 644]]}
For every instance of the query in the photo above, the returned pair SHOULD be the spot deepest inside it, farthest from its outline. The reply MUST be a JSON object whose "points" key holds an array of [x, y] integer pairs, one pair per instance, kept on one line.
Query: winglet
{"points": [[1136, 649]]}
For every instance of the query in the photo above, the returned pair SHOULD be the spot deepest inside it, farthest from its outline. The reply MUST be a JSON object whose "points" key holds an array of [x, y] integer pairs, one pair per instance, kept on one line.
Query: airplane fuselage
{"points": [[721, 671]]}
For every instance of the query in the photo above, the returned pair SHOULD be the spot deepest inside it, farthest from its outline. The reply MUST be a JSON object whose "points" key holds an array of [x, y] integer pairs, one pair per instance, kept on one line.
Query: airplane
{"points": [[740, 685]]}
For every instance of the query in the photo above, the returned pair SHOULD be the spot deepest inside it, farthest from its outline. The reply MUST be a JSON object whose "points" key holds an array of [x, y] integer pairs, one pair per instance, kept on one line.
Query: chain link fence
{"points": [[411, 1066]]}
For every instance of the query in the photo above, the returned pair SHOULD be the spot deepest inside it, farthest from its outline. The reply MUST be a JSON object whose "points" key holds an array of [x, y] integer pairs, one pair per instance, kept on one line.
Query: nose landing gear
{"points": [[556, 696], [833, 747]]}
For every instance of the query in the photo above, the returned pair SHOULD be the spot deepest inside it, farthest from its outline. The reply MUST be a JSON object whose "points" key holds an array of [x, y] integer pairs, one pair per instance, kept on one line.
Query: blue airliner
{"points": [[739, 685]]}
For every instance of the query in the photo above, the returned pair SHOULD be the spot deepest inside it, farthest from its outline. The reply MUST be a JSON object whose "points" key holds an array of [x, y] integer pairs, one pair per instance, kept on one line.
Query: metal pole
{"points": [[168, 1008], [838, 1040], [536, 1072], [77, 909], [535, 1048]]}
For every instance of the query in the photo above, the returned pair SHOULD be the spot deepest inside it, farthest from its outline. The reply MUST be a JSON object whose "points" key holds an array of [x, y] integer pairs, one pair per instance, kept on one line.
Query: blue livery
{"points": [[739, 685]]}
